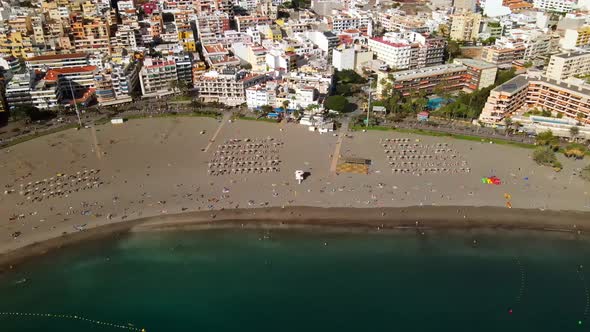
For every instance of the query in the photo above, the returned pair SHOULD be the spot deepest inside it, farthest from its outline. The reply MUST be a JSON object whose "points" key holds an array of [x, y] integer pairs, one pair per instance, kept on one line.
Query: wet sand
{"points": [[413, 218]]}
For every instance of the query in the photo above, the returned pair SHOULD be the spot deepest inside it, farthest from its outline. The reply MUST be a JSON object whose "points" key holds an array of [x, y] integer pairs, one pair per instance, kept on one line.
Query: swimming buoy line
{"points": [[72, 317], [522, 280], [587, 307]]}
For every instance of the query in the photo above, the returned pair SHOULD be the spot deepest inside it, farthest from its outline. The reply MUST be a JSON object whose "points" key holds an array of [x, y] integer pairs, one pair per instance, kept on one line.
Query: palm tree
{"points": [[574, 132], [173, 85], [508, 123], [285, 104]]}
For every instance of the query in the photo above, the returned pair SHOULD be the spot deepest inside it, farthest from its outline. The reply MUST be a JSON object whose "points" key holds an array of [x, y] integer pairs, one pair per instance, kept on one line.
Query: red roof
{"points": [[53, 74]]}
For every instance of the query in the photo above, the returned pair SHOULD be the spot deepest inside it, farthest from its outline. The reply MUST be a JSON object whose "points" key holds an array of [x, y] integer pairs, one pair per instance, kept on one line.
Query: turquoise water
{"points": [[435, 103], [302, 281]]}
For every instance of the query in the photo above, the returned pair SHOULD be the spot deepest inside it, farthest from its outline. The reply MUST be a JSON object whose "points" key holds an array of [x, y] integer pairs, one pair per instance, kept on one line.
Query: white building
{"points": [[393, 51], [494, 8], [566, 65], [561, 6], [343, 58], [227, 86], [261, 95], [155, 77], [352, 58]]}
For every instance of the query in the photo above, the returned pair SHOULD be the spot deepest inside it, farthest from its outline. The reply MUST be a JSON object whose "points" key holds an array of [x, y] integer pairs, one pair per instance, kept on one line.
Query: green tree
{"points": [[454, 49], [546, 138], [336, 103], [173, 85], [349, 76], [546, 156], [182, 86], [344, 89], [574, 132], [266, 109], [285, 104]]}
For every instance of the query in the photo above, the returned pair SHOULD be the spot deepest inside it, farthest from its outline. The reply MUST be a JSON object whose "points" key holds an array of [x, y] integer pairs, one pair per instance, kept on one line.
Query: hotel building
{"points": [[571, 100]]}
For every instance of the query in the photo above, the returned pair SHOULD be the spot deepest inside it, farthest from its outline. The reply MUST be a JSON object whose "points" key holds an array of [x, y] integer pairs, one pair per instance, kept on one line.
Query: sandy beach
{"points": [[156, 173]]}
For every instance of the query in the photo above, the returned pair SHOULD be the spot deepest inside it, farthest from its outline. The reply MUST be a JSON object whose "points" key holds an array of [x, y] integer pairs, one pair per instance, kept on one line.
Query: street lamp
{"points": [[369, 102], [75, 104]]}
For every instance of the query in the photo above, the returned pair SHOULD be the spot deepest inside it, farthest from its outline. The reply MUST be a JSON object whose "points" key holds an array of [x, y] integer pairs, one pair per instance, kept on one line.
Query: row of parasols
{"points": [[247, 158], [249, 170]]}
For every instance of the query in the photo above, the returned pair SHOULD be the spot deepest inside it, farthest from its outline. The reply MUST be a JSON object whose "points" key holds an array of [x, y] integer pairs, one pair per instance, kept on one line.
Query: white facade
{"points": [[155, 76], [343, 59], [261, 95], [565, 65], [561, 6], [394, 52], [494, 8]]}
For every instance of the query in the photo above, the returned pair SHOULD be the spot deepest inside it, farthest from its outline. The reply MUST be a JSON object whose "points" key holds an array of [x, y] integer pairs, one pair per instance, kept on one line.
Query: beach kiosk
{"points": [[299, 176]]}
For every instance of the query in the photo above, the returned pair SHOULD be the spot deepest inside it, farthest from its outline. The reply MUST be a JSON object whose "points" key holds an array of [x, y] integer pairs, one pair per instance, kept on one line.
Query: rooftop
{"points": [[570, 55], [57, 56], [476, 63], [215, 48], [428, 71], [53, 74], [513, 85], [382, 40]]}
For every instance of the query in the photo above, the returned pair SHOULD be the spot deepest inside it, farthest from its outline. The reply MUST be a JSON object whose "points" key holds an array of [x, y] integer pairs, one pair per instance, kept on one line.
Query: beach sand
{"points": [[156, 168]]}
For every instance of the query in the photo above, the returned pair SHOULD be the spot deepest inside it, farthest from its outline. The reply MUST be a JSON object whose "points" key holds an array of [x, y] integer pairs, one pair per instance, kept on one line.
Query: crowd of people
{"points": [[244, 156], [418, 158]]}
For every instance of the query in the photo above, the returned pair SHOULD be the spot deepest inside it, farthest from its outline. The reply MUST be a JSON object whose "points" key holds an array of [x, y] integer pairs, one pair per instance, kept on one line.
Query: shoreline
{"points": [[428, 217]]}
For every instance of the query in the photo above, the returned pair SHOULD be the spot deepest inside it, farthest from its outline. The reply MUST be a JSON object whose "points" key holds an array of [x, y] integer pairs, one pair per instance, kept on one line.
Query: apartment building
{"points": [[155, 76], [117, 84], [18, 89], [348, 20], [254, 55], [570, 99], [575, 38], [227, 86], [395, 20], [504, 53], [245, 22], [76, 80], [450, 77], [393, 51], [210, 27], [16, 44], [464, 74], [560, 6], [262, 95], [480, 74], [350, 58], [325, 41], [465, 26], [566, 65], [45, 62], [408, 50]]}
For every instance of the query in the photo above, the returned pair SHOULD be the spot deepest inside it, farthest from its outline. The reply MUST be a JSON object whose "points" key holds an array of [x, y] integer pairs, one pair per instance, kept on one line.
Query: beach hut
{"points": [[423, 116]]}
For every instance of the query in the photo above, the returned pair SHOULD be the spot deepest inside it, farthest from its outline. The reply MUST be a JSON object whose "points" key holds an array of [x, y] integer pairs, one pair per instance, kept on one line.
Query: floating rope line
{"points": [[522, 284], [586, 291], [73, 317], [522, 281]]}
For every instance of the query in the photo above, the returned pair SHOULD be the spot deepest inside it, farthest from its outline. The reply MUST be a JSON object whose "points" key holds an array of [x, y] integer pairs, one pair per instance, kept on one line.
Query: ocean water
{"points": [[251, 280]]}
